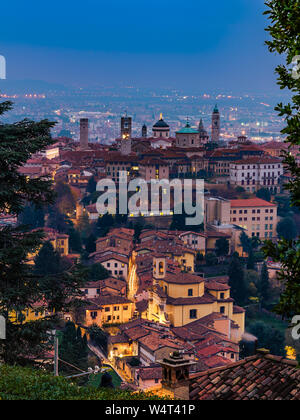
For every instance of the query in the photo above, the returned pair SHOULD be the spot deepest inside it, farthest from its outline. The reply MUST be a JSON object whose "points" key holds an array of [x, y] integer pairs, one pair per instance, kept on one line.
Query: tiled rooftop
{"points": [[259, 377]]}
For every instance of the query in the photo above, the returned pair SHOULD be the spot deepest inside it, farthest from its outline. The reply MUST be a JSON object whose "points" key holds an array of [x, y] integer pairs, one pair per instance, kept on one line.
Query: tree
{"points": [[47, 261], [65, 200], [237, 280], [84, 226], [91, 186], [199, 261], [222, 247], [251, 260], [246, 243], [98, 336], [251, 280], [264, 284], [20, 286], [90, 244], [97, 272], [211, 259], [75, 243], [287, 229], [264, 194], [268, 338], [73, 349], [58, 221], [32, 216], [284, 19]]}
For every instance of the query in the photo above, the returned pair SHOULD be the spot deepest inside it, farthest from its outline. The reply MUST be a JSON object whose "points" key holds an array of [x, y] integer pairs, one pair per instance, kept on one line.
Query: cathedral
{"points": [[186, 137]]}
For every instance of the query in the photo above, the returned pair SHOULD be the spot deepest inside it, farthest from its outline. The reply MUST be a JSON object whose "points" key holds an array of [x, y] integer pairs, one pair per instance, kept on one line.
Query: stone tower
{"points": [[215, 128], [84, 133], [144, 131], [203, 136], [126, 127], [176, 375], [126, 131]]}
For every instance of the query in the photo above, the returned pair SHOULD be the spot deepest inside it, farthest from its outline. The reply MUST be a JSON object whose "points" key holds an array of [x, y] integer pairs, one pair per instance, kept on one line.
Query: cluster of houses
{"points": [[153, 302]]}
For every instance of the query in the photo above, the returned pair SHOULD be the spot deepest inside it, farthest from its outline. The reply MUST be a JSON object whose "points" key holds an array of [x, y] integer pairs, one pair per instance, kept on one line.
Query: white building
{"points": [[255, 173]]}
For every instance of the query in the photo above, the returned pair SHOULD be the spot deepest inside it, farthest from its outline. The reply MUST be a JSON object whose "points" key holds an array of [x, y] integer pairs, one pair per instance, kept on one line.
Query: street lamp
{"points": [[54, 335]]}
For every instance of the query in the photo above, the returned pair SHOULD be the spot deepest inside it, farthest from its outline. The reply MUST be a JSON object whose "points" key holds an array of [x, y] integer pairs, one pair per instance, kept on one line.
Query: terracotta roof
{"points": [[238, 310], [155, 341], [258, 161], [214, 285], [277, 145], [119, 338], [251, 202], [215, 349], [136, 332], [182, 278], [150, 372], [111, 282], [216, 361], [99, 257], [259, 377], [209, 319], [201, 300], [100, 301]]}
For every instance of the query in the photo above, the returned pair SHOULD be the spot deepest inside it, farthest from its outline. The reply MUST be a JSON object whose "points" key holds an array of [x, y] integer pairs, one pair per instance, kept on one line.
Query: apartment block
{"points": [[255, 173], [257, 216]]}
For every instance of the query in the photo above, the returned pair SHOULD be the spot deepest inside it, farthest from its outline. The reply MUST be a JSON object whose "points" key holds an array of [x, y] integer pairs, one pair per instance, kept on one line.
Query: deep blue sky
{"points": [[172, 43]]}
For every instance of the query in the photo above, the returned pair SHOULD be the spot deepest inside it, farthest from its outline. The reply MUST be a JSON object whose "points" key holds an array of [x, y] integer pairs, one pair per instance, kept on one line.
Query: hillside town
{"points": [[159, 287]]}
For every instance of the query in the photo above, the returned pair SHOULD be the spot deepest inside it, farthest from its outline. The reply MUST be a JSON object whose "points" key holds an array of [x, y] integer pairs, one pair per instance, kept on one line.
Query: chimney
{"points": [[84, 133], [176, 376]]}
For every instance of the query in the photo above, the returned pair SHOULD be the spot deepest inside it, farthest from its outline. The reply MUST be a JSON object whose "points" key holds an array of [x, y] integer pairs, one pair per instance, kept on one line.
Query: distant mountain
{"points": [[29, 86]]}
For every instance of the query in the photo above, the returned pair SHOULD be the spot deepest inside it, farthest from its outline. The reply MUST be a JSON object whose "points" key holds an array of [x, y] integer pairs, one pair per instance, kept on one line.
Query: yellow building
{"points": [[257, 216], [38, 311], [182, 298], [106, 310]]}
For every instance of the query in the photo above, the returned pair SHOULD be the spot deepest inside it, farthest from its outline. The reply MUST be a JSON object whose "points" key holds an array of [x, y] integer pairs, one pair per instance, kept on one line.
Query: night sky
{"points": [[188, 44]]}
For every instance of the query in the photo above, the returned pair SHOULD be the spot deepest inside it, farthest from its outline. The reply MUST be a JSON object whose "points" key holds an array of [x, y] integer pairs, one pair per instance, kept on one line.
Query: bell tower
{"points": [[216, 126], [126, 131], [144, 131], [84, 133], [159, 267], [126, 127], [203, 136]]}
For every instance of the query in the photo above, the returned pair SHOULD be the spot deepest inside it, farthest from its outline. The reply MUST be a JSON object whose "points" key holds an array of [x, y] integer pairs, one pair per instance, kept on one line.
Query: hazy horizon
{"points": [[185, 45]]}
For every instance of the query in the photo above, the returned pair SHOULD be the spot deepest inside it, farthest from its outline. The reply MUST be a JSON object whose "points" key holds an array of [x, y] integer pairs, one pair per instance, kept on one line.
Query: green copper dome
{"points": [[187, 130]]}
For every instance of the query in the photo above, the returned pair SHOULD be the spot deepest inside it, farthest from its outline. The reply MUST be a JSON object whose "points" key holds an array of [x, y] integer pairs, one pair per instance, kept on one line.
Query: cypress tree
{"points": [[20, 286], [237, 280]]}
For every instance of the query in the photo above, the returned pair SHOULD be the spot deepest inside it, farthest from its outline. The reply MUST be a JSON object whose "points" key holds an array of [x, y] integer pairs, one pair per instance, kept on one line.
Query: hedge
{"points": [[18, 383]]}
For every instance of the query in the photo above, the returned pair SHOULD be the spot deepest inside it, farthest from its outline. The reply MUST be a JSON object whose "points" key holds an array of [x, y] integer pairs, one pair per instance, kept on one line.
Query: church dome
{"points": [[161, 123], [187, 130]]}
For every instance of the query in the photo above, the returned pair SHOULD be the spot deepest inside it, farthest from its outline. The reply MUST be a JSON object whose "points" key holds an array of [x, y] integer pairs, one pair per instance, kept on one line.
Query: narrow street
{"points": [[100, 354]]}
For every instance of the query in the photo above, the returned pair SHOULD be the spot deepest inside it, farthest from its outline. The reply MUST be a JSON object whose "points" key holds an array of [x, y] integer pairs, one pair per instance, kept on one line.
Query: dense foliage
{"points": [[18, 383], [73, 349], [284, 29], [21, 288]]}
